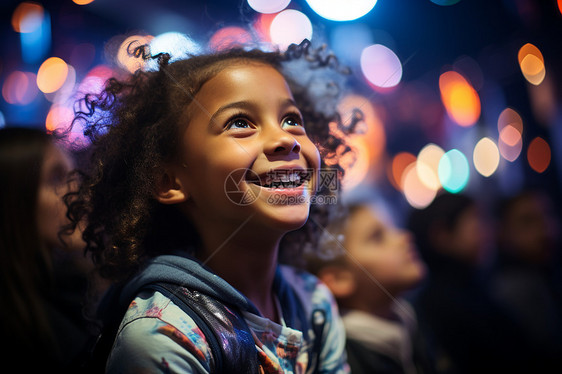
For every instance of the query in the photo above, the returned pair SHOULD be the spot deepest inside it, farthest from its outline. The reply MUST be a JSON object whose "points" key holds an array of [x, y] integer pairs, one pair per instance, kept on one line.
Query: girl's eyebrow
{"points": [[244, 104]]}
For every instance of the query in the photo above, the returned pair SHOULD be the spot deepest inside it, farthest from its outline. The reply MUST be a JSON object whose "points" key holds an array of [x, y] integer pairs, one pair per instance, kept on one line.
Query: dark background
{"points": [[428, 39]]}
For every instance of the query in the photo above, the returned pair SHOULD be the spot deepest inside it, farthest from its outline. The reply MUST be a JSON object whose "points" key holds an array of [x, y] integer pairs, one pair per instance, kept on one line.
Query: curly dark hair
{"points": [[133, 127]]}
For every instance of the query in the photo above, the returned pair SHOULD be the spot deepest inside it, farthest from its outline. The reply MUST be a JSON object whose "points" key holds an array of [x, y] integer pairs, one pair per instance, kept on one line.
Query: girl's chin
{"points": [[285, 217]]}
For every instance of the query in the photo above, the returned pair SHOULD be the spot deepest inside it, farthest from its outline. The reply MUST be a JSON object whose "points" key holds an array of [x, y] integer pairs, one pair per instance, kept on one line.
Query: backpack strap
{"points": [[227, 333]]}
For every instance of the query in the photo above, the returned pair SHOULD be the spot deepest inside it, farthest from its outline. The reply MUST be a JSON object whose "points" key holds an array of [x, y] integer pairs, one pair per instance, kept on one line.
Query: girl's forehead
{"points": [[245, 79], [244, 70]]}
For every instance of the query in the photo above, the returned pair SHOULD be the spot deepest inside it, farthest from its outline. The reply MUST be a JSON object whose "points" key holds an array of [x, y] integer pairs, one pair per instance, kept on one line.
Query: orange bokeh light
{"points": [[371, 130], [27, 17], [531, 62], [229, 37], [52, 74], [125, 55], [83, 2], [59, 117], [459, 98], [538, 155], [396, 170]]}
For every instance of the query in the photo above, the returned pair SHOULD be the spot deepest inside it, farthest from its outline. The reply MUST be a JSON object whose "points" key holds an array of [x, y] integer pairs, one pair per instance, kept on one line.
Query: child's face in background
{"points": [[386, 253], [242, 124], [51, 210]]}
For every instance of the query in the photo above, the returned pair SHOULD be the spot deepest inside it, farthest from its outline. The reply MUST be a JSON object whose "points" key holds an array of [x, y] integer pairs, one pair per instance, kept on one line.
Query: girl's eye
{"points": [[292, 122], [238, 123]]}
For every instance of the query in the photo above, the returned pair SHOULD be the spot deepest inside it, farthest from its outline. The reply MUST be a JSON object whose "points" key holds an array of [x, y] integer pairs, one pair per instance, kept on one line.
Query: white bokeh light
{"points": [[381, 66], [339, 10], [178, 45], [268, 6], [290, 26]]}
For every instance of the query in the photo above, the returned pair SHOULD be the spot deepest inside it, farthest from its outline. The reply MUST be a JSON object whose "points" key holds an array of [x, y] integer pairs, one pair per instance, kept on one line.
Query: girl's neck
{"points": [[248, 264]]}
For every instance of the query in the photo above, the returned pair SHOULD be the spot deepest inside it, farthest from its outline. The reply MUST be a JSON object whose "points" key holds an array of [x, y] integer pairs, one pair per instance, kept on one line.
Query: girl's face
{"points": [[51, 210], [246, 153], [386, 253]]}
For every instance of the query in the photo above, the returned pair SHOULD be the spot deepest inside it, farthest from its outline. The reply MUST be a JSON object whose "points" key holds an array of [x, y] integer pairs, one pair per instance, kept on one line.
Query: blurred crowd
{"points": [[458, 287]]}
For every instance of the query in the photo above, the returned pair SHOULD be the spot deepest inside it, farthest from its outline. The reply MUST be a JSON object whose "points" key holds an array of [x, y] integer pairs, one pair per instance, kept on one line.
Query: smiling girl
{"points": [[181, 216]]}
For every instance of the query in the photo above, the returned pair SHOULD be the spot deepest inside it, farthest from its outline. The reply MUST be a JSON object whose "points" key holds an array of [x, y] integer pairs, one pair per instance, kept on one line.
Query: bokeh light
{"points": [[355, 163], [19, 88], [428, 165], [290, 26], [27, 17], [510, 130], [371, 130], [531, 62], [94, 81], [83, 2], [67, 88], [268, 6], [338, 10], [381, 66], [415, 190], [125, 54], [509, 117], [538, 154], [262, 25], [510, 143], [453, 171], [486, 157], [52, 74], [33, 23], [510, 135], [178, 45], [229, 37], [59, 117], [397, 167], [459, 98]]}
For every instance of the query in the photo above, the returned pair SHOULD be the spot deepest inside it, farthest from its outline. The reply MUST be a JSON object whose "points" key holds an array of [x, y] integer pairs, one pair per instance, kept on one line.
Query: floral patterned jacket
{"points": [[157, 336]]}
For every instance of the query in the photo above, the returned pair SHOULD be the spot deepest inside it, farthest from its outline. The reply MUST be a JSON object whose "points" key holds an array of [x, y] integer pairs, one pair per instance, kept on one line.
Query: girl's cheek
{"points": [[50, 214]]}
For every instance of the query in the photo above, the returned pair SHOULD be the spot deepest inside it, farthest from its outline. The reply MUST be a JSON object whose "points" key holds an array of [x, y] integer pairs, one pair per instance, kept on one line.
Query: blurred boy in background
{"points": [[369, 264]]}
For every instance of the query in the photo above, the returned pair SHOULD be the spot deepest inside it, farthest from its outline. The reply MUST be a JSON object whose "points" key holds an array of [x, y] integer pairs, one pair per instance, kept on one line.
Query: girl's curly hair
{"points": [[133, 127]]}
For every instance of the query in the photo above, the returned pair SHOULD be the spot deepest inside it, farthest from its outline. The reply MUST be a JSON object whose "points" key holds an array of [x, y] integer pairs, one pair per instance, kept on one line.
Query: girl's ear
{"points": [[169, 188], [339, 279]]}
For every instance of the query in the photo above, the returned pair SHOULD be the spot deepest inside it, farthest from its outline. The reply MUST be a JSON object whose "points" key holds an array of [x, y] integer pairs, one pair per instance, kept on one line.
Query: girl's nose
{"points": [[282, 143]]}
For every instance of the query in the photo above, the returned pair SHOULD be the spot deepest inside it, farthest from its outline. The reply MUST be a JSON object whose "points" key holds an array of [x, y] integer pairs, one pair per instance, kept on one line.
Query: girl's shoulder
{"points": [[160, 336]]}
